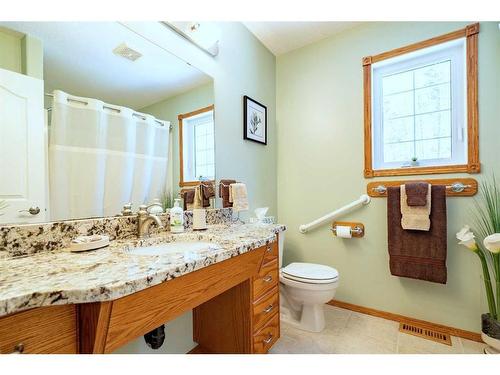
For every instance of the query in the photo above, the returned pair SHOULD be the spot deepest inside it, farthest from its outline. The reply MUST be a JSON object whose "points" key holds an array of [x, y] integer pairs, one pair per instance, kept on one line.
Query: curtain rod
{"points": [[111, 109]]}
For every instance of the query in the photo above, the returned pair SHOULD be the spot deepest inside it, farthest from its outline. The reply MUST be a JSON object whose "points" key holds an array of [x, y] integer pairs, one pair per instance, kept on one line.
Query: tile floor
{"points": [[349, 332]]}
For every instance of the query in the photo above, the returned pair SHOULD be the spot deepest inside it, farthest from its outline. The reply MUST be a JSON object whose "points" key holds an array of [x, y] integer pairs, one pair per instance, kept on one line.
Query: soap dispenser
{"points": [[177, 218]]}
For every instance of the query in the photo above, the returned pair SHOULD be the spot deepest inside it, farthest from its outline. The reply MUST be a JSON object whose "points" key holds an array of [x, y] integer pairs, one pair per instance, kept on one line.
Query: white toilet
{"points": [[304, 289]]}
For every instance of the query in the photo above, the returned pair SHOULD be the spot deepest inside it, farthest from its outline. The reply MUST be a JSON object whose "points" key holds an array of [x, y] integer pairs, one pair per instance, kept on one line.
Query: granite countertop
{"points": [[62, 277]]}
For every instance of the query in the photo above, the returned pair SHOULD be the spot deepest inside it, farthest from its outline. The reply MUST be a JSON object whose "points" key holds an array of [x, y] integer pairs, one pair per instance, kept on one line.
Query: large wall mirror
{"points": [[93, 117]]}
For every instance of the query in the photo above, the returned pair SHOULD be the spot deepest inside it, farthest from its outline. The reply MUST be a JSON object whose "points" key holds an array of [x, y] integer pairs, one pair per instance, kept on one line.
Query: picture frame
{"points": [[254, 121]]}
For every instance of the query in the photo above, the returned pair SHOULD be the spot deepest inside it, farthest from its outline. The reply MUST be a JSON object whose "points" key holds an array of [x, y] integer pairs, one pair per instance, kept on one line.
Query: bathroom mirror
{"points": [[92, 120]]}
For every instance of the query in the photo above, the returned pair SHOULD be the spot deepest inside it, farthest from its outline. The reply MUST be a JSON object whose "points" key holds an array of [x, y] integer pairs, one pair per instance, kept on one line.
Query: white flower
{"points": [[492, 243], [466, 238]]}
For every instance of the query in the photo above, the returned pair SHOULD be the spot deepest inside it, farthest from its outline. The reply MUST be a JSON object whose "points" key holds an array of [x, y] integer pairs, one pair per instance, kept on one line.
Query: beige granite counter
{"points": [[62, 277]]}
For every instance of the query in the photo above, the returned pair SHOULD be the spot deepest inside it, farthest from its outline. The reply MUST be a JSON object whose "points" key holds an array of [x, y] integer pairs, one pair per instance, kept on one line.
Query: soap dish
{"points": [[86, 243]]}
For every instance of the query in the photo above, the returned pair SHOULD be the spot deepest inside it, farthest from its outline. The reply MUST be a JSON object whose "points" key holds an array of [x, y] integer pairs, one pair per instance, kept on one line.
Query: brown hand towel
{"points": [[188, 197], [418, 254], [416, 193], [224, 192], [208, 191]]}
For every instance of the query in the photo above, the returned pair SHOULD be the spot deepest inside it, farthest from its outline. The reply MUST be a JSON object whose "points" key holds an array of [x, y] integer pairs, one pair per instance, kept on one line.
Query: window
{"points": [[197, 147], [417, 118]]}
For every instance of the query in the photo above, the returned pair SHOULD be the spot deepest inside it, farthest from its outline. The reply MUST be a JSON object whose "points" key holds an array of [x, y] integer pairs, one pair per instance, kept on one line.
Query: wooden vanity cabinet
{"points": [[266, 302], [43, 330], [252, 326], [235, 307]]}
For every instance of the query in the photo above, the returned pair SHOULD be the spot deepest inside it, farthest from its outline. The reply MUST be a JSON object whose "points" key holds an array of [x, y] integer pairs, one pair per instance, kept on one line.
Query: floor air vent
{"points": [[429, 334]]}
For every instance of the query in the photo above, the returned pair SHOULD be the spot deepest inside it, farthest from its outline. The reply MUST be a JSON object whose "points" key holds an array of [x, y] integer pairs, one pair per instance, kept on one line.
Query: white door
{"points": [[22, 149]]}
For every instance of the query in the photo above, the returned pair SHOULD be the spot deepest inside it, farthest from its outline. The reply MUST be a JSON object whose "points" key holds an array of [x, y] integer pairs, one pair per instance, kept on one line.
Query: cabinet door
{"points": [[23, 145]]}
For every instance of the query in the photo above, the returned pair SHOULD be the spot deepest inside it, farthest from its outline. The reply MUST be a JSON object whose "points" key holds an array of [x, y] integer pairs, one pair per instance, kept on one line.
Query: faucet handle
{"points": [[143, 209], [127, 209]]}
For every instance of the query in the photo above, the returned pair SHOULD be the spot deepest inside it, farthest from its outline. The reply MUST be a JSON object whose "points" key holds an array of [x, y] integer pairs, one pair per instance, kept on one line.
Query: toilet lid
{"points": [[310, 272]]}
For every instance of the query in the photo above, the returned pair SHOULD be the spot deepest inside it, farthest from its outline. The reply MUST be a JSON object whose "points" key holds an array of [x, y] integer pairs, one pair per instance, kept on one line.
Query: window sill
{"points": [[411, 171], [193, 183]]}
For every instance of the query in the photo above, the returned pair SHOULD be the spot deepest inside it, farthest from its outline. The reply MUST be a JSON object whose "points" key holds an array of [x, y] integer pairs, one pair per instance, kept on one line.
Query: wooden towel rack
{"points": [[455, 187]]}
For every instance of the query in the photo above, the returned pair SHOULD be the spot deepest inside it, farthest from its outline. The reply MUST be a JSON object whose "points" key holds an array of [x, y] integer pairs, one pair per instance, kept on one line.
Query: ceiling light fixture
{"points": [[204, 35]]}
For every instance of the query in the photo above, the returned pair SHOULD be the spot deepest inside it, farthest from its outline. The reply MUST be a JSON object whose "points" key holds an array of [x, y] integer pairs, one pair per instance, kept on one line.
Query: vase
{"points": [[490, 334]]}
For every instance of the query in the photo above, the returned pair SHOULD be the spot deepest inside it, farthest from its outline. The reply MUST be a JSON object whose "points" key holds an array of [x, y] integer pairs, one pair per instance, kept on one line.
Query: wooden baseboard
{"points": [[405, 319]]}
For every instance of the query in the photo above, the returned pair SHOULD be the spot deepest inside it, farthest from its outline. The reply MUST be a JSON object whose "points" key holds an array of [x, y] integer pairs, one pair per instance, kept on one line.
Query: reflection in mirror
{"points": [[196, 145], [98, 126]]}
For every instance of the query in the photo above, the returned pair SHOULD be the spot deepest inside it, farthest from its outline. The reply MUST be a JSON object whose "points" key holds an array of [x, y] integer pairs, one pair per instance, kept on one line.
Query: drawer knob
{"points": [[268, 279], [269, 339], [269, 249], [268, 309], [18, 349]]}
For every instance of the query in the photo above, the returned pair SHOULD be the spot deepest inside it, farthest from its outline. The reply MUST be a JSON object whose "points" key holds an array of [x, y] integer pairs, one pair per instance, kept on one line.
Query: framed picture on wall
{"points": [[254, 121]]}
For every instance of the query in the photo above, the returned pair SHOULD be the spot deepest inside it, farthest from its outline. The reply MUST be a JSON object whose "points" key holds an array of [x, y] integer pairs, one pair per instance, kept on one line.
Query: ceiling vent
{"points": [[124, 51]]}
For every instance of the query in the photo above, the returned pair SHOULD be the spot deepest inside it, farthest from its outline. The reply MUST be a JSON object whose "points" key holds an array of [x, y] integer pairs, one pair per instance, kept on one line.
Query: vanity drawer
{"points": [[271, 252], [266, 279], [265, 308], [42, 330], [264, 339]]}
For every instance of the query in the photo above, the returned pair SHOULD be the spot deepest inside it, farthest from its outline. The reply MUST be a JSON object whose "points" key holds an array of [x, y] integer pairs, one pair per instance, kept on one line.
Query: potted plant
{"points": [[487, 228]]}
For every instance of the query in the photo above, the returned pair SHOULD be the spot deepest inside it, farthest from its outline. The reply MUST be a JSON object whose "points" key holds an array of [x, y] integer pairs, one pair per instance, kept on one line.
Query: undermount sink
{"points": [[175, 248]]}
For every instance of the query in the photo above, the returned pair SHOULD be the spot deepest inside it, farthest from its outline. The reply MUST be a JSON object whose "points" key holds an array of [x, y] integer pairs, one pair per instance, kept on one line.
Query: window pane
{"points": [[398, 152], [398, 130], [432, 74], [433, 125], [397, 105], [397, 82], [434, 98], [433, 149]]}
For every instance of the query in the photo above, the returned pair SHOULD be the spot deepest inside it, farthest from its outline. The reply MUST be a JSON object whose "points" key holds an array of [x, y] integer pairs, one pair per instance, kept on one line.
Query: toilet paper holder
{"points": [[357, 229]]}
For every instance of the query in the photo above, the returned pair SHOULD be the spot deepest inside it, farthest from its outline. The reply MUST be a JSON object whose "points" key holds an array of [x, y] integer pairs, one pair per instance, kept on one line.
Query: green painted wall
{"points": [[170, 108], [10, 45], [320, 168], [21, 53]]}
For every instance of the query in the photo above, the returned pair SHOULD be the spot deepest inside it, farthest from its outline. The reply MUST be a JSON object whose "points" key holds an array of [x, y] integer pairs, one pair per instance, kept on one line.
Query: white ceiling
{"points": [[78, 59], [282, 37]]}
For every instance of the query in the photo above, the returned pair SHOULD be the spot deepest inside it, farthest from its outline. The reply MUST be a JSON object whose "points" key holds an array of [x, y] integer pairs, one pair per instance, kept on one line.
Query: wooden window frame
{"points": [[181, 118], [470, 32]]}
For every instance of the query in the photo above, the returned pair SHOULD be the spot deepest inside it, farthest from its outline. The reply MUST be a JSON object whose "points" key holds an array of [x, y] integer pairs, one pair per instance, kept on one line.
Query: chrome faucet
{"points": [[144, 221]]}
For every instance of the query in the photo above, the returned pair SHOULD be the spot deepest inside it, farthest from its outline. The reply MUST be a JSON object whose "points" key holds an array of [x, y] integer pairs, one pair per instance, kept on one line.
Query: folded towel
{"points": [[198, 199], [188, 197], [418, 254], [238, 192], [415, 217], [417, 193], [224, 192]]}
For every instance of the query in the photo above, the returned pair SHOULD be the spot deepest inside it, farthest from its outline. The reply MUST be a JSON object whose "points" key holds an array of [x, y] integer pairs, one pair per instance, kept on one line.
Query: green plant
{"points": [[166, 199], [486, 222]]}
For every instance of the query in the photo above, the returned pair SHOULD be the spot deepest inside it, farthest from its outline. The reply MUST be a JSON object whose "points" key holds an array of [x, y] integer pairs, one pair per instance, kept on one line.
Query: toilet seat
{"points": [[310, 273]]}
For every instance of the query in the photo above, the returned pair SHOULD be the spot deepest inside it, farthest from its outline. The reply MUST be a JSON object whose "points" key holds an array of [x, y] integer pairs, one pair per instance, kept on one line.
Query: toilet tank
{"points": [[281, 242]]}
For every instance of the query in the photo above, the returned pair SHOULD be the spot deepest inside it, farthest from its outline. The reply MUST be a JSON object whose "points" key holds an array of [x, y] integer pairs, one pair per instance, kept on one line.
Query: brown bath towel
{"points": [[418, 254], [416, 193], [224, 192]]}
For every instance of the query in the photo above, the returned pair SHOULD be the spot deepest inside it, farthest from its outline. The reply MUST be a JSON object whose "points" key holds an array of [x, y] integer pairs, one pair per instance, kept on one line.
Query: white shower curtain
{"points": [[102, 156]]}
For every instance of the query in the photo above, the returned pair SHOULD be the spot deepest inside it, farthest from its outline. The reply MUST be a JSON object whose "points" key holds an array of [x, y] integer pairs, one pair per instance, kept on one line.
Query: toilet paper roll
{"points": [[343, 231]]}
